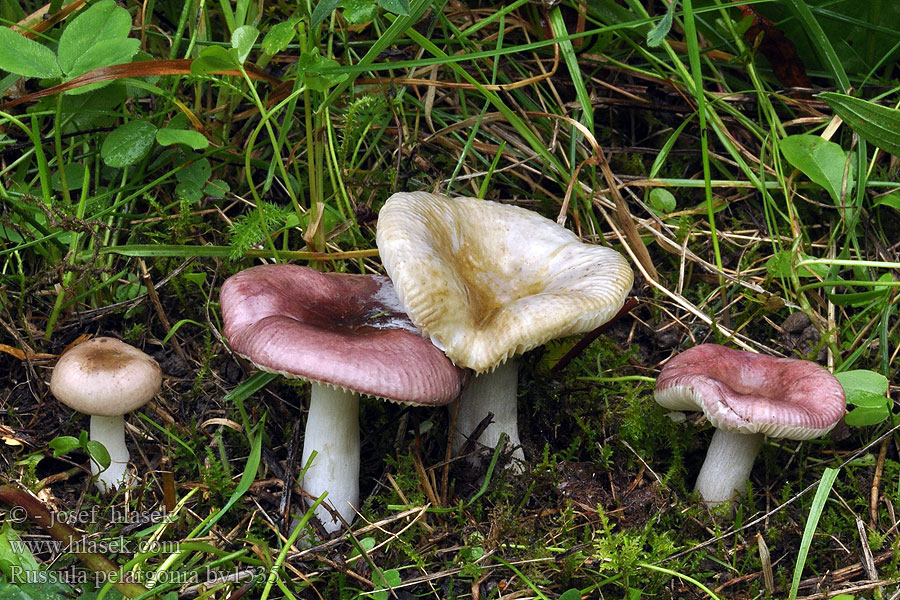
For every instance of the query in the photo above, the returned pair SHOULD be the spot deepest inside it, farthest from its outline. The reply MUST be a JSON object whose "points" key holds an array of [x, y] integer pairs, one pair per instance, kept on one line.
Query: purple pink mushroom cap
{"points": [[746, 397], [342, 330]]}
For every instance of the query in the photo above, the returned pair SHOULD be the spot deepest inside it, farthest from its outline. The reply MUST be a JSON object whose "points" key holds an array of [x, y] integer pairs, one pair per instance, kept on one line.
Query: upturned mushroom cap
{"points": [[105, 377], [487, 281], [346, 331], [752, 393]]}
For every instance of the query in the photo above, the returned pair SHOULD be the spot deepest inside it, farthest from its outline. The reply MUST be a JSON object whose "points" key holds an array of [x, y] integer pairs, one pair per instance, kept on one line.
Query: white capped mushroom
{"points": [[488, 281]]}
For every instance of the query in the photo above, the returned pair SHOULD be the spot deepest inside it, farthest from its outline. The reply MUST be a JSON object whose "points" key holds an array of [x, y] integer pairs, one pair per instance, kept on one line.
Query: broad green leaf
{"points": [[659, 32], [820, 160], [318, 71], [89, 110], [662, 200], [874, 123], [862, 381], [128, 143], [359, 11], [189, 192], [367, 543], [865, 399], [279, 36], [188, 137], [195, 173], [199, 279], [26, 57], [74, 177], [109, 52], [213, 58], [217, 188], [891, 199], [867, 391], [63, 444], [322, 10], [49, 585], [780, 265], [574, 593], [384, 579], [398, 7], [98, 452], [242, 41], [104, 21], [13, 551], [192, 179], [865, 416]]}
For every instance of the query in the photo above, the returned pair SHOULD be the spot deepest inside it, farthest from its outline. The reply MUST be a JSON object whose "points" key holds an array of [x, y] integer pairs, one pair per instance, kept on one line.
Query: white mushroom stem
{"points": [[332, 430], [727, 467], [110, 431], [493, 392]]}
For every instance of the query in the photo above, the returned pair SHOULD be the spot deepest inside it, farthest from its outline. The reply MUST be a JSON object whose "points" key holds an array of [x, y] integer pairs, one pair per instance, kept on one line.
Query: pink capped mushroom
{"points": [[346, 335], [747, 397]]}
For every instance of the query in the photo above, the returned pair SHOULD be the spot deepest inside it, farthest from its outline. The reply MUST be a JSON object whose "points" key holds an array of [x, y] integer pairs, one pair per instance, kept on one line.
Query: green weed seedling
{"points": [[94, 449]]}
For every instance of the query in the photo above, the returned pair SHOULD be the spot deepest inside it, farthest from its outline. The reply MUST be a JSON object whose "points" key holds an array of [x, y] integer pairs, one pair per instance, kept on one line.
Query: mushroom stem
{"points": [[493, 392], [727, 467], [332, 430], [110, 431]]}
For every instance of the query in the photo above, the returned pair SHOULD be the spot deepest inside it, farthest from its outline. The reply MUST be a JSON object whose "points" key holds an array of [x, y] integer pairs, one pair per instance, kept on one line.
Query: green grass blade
{"points": [[568, 51], [693, 46], [247, 478], [396, 29], [812, 522], [820, 42]]}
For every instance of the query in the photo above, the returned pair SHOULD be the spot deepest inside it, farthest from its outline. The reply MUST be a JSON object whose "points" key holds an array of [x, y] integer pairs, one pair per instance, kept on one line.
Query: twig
{"points": [[154, 299], [850, 590], [589, 338], [876, 484]]}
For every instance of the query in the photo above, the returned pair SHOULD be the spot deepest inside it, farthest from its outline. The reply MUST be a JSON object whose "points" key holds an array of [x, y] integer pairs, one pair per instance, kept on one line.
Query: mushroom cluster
{"points": [[472, 284], [487, 281]]}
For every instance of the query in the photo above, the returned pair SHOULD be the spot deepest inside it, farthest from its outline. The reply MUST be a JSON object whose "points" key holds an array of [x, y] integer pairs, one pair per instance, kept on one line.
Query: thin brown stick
{"points": [[157, 305], [875, 491], [590, 336]]}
